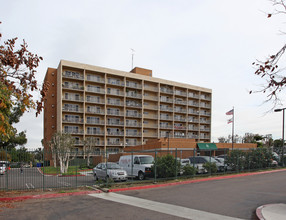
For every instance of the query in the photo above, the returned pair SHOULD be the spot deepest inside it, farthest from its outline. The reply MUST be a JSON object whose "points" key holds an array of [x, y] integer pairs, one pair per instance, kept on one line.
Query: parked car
{"points": [[109, 170], [140, 167], [199, 162], [222, 161]]}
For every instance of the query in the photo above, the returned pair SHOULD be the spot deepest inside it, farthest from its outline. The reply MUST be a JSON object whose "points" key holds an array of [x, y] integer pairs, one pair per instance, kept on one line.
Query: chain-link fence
{"points": [[41, 169]]}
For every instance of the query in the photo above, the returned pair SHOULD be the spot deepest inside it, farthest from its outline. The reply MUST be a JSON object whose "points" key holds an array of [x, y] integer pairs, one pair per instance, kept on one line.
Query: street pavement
{"points": [[235, 198]]}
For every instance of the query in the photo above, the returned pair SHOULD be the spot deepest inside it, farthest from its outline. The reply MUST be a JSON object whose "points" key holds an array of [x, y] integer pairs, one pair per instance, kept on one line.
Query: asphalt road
{"points": [[32, 178], [237, 197]]}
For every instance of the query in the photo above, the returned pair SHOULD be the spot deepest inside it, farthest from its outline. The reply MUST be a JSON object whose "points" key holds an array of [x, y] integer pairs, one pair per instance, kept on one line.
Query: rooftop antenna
{"points": [[132, 54]]}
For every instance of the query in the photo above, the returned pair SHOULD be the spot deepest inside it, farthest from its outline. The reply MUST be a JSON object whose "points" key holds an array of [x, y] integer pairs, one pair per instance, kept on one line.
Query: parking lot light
{"points": [[283, 122]]}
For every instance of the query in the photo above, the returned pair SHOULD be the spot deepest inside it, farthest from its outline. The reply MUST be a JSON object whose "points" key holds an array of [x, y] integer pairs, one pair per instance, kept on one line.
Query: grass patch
{"points": [[72, 170]]}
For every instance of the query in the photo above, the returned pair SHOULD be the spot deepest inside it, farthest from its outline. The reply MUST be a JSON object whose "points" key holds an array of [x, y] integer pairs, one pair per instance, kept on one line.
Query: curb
{"points": [[135, 187], [259, 212]]}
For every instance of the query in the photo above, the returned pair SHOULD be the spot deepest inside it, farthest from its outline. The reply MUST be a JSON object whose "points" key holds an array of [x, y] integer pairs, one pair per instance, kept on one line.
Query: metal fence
{"points": [[28, 170]]}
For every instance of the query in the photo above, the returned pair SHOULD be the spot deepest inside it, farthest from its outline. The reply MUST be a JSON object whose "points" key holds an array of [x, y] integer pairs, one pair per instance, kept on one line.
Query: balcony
{"points": [[72, 75], [120, 123], [133, 115], [94, 122], [205, 121], [95, 90], [205, 97], [191, 120], [195, 104], [149, 116], [205, 113], [74, 131], [166, 126], [97, 101], [153, 107], [90, 132], [193, 112], [95, 111], [78, 143], [80, 110], [96, 79], [133, 85], [166, 90], [115, 113], [151, 88], [132, 134], [115, 82], [150, 135], [116, 103], [193, 136], [192, 95], [73, 98], [116, 93], [166, 118], [179, 119], [115, 143], [110, 133], [179, 127], [179, 102], [73, 120], [150, 126], [204, 105], [166, 100], [136, 96], [72, 87], [166, 109], [180, 93], [205, 129], [133, 125], [193, 128], [134, 105], [180, 111]]}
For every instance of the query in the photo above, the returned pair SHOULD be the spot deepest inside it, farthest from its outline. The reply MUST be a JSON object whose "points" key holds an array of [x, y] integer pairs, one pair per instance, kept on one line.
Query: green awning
{"points": [[207, 146]]}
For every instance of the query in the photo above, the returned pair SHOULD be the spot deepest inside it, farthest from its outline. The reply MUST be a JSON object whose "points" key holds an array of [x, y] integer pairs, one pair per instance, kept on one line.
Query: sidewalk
{"points": [[271, 211]]}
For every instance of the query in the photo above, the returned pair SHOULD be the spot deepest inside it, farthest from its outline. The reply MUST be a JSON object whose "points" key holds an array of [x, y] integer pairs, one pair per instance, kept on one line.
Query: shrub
{"points": [[210, 167], [236, 160], [189, 170], [166, 166]]}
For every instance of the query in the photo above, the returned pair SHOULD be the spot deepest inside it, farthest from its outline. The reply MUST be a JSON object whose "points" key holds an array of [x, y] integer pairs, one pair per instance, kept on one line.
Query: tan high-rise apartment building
{"points": [[122, 109]]}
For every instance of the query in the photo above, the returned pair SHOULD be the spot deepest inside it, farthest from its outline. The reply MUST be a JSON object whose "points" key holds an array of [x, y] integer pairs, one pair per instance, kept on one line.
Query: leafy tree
{"points": [[236, 160], [89, 144], [189, 170], [269, 69], [62, 146], [17, 84]]}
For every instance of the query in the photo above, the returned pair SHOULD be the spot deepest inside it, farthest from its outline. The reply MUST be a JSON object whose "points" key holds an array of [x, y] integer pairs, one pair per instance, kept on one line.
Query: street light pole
{"points": [[283, 123]]}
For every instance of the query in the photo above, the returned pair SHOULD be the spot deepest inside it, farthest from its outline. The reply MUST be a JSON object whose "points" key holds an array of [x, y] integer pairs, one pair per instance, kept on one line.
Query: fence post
{"points": [[176, 168], [76, 169], [6, 152], [155, 166], [43, 169], [132, 166]]}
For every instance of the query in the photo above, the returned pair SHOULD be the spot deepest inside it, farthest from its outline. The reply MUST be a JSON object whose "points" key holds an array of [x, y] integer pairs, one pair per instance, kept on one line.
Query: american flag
{"points": [[230, 120], [229, 112]]}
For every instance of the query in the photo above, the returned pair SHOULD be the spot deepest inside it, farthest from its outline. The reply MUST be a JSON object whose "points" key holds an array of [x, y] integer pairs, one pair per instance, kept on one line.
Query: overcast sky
{"points": [[207, 43]]}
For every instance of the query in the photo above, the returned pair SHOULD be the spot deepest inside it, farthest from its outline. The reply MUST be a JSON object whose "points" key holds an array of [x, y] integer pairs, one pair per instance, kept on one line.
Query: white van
{"points": [[140, 167]]}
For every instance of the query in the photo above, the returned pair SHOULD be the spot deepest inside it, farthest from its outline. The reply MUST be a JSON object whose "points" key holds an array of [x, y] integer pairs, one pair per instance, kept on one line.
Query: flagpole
{"points": [[232, 127]]}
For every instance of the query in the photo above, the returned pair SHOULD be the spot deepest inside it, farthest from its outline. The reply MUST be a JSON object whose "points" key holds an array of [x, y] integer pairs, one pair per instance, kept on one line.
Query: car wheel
{"points": [[141, 175], [106, 178]]}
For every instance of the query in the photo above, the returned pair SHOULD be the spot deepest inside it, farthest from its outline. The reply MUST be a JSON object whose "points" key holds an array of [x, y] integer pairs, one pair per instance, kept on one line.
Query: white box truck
{"points": [[140, 167]]}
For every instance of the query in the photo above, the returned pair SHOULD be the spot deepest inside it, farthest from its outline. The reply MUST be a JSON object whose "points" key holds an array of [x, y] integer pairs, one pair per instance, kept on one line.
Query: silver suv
{"points": [[199, 161]]}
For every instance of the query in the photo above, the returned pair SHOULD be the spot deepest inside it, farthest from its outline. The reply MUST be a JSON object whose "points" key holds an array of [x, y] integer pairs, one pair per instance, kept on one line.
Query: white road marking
{"points": [[30, 186], [165, 208]]}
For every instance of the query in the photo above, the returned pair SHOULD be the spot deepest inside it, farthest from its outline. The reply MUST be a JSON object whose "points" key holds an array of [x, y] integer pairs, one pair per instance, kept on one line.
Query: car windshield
{"points": [[146, 160], [113, 166], [211, 159]]}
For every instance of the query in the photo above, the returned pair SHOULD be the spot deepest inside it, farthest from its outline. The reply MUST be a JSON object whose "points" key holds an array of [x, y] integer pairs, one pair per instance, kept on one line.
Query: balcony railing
{"points": [[115, 113], [191, 95], [193, 112], [205, 129], [193, 120], [193, 128], [115, 93], [110, 133], [73, 76], [150, 135], [165, 90], [115, 103], [150, 88], [94, 79], [178, 127], [206, 97], [153, 98], [179, 119], [72, 86], [180, 110], [133, 115], [137, 105], [133, 85], [180, 93], [95, 90], [137, 96], [166, 126], [166, 118], [94, 122], [133, 125], [79, 131], [193, 104], [90, 132], [203, 105], [73, 98], [119, 143], [205, 113], [178, 102], [72, 109], [73, 120], [149, 116], [115, 82], [95, 101], [166, 109], [121, 123], [95, 111], [192, 136], [153, 107], [150, 126], [132, 134], [205, 121]]}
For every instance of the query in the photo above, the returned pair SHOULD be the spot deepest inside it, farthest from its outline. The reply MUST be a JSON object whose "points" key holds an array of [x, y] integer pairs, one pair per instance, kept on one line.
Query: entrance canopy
{"points": [[207, 146]]}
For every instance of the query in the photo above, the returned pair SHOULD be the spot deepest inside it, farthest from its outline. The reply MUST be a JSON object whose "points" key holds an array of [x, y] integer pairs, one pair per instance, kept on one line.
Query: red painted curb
{"points": [[48, 196], [192, 181]]}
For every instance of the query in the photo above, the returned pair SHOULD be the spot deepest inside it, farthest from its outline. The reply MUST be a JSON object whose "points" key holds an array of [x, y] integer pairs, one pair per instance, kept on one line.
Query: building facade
{"points": [[122, 109]]}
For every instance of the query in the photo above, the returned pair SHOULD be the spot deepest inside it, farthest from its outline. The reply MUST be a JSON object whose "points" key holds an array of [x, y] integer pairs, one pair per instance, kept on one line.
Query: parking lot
{"points": [[32, 178]]}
